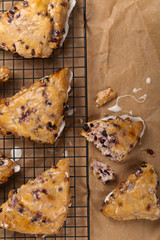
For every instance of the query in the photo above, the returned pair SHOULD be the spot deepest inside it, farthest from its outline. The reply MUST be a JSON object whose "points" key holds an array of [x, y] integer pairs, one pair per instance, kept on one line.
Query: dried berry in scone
{"points": [[115, 138], [105, 96], [34, 28], [41, 205], [135, 198], [37, 113], [101, 171], [7, 168], [5, 74]]}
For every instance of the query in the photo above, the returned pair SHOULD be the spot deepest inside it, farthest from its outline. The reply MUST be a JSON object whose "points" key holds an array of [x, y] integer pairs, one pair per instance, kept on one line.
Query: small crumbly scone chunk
{"points": [[40, 206], [135, 198], [102, 171], [37, 113], [7, 168], [115, 138], [105, 96], [5, 74], [33, 28]]}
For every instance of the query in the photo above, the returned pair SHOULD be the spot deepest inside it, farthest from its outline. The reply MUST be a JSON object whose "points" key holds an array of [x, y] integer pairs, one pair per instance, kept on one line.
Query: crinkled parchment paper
{"points": [[123, 51]]}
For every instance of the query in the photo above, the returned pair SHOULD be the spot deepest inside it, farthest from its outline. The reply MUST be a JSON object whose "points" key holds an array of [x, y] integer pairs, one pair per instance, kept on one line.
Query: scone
{"points": [[134, 198], [37, 113], [115, 138], [5, 74], [7, 168], [101, 171], [105, 96], [33, 28], [40, 206]]}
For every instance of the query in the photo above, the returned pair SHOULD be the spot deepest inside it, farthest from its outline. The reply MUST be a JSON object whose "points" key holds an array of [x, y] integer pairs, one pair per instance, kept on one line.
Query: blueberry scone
{"points": [[5, 74], [33, 28], [115, 138], [134, 198], [40, 206], [101, 171], [7, 168], [37, 113]]}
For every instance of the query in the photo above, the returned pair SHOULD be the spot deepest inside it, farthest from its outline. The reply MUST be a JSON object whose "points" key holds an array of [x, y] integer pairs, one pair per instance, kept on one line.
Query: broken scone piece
{"points": [[40, 206], [7, 168], [114, 137], [5, 74], [34, 28], [37, 113], [105, 96], [101, 171], [134, 198]]}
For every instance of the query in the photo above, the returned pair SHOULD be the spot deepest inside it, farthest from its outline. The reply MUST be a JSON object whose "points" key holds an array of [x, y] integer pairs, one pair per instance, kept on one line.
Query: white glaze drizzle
{"points": [[69, 88], [148, 80], [17, 168], [135, 90], [16, 153], [72, 4], [117, 108], [107, 197], [130, 112]]}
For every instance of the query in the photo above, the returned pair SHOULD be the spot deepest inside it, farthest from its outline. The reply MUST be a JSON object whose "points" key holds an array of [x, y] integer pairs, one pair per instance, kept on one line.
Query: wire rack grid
{"points": [[37, 157]]}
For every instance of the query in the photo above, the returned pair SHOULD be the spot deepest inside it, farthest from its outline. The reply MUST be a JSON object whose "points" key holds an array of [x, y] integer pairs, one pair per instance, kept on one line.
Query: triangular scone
{"points": [[7, 168], [33, 28], [41, 205], [37, 112], [134, 198], [115, 138]]}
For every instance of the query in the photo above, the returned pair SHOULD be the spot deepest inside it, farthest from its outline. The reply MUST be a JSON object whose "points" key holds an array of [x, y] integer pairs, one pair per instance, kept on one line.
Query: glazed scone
{"points": [[7, 168], [105, 96], [5, 74], [135, 198], [101, 171], [37, 113], [40, 206], [33, 28], [115, 138]]}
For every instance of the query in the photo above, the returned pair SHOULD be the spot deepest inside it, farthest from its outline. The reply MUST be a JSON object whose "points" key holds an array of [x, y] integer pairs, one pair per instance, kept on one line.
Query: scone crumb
{"points": [[101, 171], [105, 96], [5, 74]]}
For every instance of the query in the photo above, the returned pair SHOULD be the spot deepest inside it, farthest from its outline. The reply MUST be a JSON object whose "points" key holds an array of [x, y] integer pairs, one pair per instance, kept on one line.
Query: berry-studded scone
{"points": [[5, 74], [37, 113], [33, 28], [101, 171], [134, 198], [114, 137], [41, 205], [7, 168]]}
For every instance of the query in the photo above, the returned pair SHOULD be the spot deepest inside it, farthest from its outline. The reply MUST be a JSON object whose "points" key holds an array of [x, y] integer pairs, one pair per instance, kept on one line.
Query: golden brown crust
{"points": [[7, 169], [5, 74], [105, 96], [134, 198], [41, 205], [115, 138], [37, 113], [33, 28]]}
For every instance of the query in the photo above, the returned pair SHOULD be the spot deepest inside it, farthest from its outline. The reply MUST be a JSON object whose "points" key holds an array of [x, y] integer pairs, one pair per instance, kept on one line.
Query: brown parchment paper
{"points": [[123, 51], [37, 157]]}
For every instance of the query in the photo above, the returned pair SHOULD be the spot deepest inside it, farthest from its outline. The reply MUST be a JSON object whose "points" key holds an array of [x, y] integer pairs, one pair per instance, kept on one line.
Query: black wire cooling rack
{"points": [[37, 157]]}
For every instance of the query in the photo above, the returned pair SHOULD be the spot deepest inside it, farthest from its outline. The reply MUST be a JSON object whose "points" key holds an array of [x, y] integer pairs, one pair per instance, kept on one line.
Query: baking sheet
{"points": [[123, 51]]}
